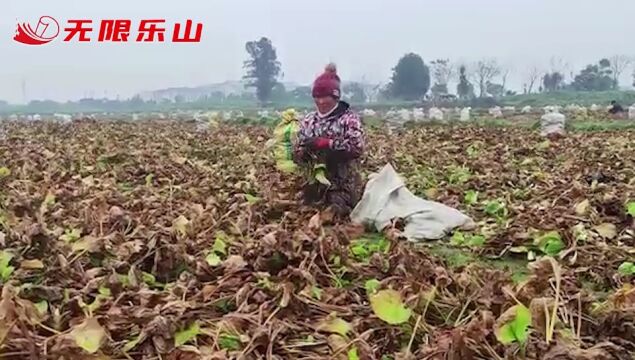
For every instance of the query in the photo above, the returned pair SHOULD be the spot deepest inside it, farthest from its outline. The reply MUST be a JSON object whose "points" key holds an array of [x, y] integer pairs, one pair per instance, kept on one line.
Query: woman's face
{"points": [[325, 104]]}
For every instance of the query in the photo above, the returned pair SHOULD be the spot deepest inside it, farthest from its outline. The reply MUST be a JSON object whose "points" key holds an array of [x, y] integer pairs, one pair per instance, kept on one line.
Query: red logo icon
{"points": [[45, 31], [110, 30]]}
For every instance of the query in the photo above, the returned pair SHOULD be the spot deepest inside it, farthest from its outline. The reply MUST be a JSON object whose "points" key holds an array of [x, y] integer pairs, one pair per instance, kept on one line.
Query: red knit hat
{"points": [[328, 83]]}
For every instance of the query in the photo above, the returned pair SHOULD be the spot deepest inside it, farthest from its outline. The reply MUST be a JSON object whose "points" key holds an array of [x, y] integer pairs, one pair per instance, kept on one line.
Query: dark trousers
{"points": [[343, 193]]}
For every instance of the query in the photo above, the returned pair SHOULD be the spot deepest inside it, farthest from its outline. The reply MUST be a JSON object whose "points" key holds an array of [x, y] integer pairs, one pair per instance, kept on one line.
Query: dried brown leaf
{"points": [[32, 264], [315, 223], [234, 263], [606, 230]]}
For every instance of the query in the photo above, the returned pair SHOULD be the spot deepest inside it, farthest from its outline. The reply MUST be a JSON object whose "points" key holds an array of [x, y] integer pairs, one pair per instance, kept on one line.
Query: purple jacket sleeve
{"points": [[302, 137], [352, 141]]}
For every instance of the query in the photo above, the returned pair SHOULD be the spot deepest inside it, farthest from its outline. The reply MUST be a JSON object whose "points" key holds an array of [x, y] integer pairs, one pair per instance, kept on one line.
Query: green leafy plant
{"points": [[516, 329], [104, 291], [4, 172], [148, 278], [131, 344], [521, 194], [186, 335], [71, 235], [316, 293], [362, 249], [422, 178], [148, 179], [550, 243], [252, 199], [3, 220], [229, 342], [265, 283], [543, 145], [371, 286], [103, 294], [471, 197], [123, 280], [472, 150], [49, 199], [5, 269], [213, 259], [225, 305], [42, 307], [389, 307], [336, 260], [220, 246], [339, 277], [319, 175], [496, 208], [630, 208], [335, 325], [459, 175], [219, 249], [626, 269], [476, 240], [460, 239], [340, 281]]}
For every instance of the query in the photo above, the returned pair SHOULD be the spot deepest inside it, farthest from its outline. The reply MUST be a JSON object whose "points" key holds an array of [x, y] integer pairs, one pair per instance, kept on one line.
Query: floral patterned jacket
{"points": [[342, 126]]}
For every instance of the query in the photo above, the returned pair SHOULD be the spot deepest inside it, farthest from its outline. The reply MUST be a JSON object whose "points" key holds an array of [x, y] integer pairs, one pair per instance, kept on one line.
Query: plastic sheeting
{"points": [[386, 198]]}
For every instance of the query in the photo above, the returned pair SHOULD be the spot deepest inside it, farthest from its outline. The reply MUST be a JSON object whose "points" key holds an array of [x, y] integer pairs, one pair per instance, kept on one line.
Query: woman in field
{"points": [[332, 135]]}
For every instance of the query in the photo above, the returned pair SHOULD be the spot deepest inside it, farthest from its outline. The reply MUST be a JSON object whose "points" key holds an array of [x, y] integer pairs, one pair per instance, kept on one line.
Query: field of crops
{"points": [[151, 240]]}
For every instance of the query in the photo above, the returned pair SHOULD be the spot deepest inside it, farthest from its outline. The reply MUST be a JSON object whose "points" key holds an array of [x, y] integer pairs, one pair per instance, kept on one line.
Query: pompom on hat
{"points": [[328, 83]]}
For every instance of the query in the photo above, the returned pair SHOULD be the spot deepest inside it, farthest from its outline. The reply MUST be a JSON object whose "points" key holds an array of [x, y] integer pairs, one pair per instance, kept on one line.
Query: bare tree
{"points": [[559, 65], [505, 71], [619, 63], [531, 76], [442, 71], [483, 72]]}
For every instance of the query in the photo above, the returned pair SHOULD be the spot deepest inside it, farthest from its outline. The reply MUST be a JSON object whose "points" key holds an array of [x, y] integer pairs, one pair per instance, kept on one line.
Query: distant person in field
{"points": [[615, 108], [331, 135]]}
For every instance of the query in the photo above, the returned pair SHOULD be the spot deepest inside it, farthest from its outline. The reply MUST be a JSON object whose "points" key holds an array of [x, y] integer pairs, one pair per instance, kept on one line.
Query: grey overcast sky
{"points": [[364, 37]]}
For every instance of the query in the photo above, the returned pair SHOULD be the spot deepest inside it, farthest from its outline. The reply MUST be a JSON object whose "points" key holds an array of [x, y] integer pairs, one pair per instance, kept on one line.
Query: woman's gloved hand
{"points": [[319, 143]]}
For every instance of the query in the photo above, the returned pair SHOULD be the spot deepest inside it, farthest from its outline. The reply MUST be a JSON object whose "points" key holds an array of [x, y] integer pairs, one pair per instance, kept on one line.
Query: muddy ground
{"points": [[152, 240]]}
